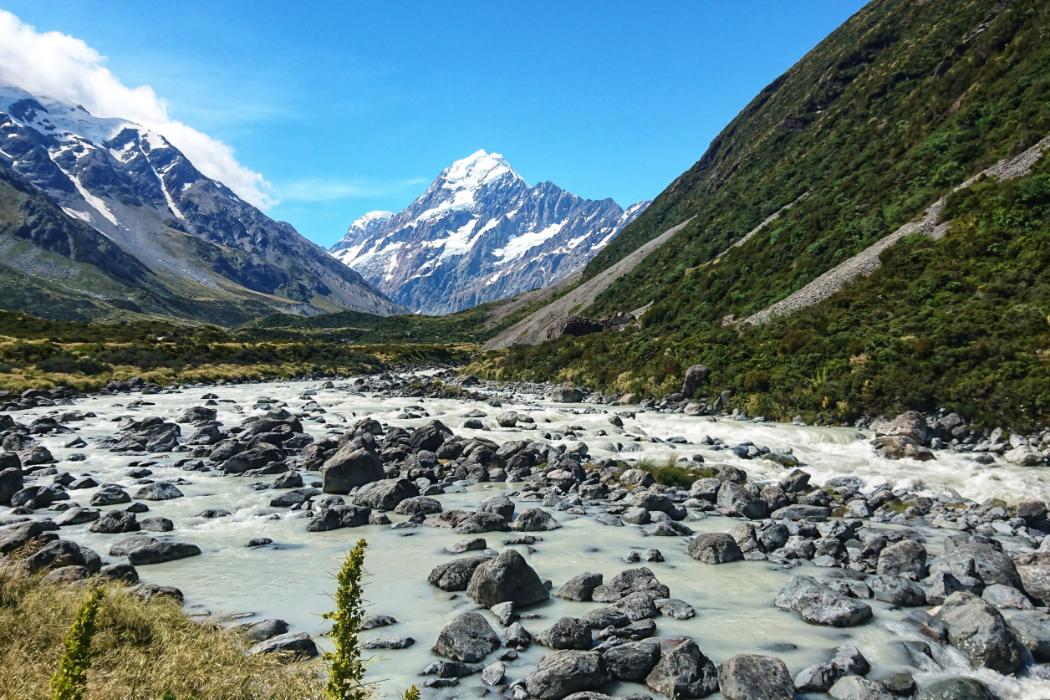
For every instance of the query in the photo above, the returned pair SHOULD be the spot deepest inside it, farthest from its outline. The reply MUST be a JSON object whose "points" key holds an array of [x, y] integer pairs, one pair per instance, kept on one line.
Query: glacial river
{"points": [[294, 578]]}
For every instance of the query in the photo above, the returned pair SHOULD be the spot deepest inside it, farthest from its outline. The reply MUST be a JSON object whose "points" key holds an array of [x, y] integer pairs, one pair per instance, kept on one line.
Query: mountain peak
{"points": [[477, 169]]}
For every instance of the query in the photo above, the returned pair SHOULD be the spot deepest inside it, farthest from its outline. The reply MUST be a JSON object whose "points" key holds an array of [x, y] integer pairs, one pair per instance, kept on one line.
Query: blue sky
{"points": [[349, 107]]}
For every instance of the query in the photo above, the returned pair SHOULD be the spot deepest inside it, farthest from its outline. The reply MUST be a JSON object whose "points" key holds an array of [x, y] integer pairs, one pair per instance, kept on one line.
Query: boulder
{"points": [[695, 377], [468, 638], [159, 552], [60, 553], [1033, 630], [565, 672], [956, 689], [10, 483], [508, 577], [715, 548], [1034, 570], [981, 633], [455, 575], [292, 644], [579, 587], [906, 558], [817, 604], [385, 494], [857, 688], [683, 671], [116, 521], [747, 676], [566, 633], [534, 520], [349, 468], [848, 661], [632, 661]]}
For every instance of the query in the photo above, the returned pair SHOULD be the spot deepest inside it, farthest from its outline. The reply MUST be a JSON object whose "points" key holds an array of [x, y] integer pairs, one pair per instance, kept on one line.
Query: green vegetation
{"points": [[962, 322], [70, 680], [37, 353], [411, 694], [346, 671], [356, 327], [894, 109], [140, 649], [671, 473]]}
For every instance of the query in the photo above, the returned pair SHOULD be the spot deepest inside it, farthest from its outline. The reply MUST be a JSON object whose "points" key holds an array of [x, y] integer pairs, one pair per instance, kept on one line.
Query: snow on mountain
{"points": [[479, 233], [141, 192]]}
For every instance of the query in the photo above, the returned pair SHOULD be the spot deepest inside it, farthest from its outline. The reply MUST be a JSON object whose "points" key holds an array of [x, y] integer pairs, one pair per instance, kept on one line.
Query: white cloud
{"points": [[58, 65]]}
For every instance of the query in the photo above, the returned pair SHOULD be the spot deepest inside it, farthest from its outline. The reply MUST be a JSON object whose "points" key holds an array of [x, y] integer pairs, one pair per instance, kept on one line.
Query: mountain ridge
{"points": [[143, 195], [479, 233]]}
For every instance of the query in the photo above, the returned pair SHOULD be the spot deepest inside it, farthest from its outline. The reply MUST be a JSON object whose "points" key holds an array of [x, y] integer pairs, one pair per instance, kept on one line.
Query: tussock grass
{"points": [[140, 649], [671, 473]]}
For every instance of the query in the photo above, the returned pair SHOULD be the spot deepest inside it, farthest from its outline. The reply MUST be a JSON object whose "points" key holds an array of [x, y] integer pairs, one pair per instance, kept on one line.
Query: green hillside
{"points": [[894, 109]]}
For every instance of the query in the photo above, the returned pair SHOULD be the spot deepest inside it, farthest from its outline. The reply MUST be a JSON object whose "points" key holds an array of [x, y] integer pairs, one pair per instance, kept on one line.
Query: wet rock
{"points": [[494, 674], [956, 689], [579, 587], [472, 545], [455, 575], [905, 558], [508, 577], [77, 516], [534, 520], [159, 552], [60, 553], [897, 590], [116, 521], [339, 516], [389, 643], [683, 671], [419, 505], [1034, 570], [715, 548], [264, 629], [349, 468], [468, 638], [293, 644], [294, 497], [121, 573], [857, 688], [565, 672], [848, 661], [801, 512], [10, 482], [979, 631], [158, 491], [1006, 597], [817, 604], [385, 494], [566, 633], [110, 496], [968, 555], [747, 676], [676, 609], [1033, 629], [632, 661]]}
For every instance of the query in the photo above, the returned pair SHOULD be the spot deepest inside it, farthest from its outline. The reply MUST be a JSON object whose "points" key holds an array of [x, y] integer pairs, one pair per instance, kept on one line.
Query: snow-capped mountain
{"points": [[201, 241], [477, 234]]}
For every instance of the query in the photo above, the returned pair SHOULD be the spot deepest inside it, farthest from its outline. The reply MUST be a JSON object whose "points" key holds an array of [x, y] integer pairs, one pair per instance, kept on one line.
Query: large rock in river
{"points": [[508, 577], [385, 494], [349, 468], [979, 631], [684, 672], [747, 676], [565, 672], [817, 604], [468, 638]]}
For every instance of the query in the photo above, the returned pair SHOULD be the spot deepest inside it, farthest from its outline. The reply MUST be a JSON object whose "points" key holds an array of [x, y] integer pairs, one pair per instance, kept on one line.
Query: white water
{"points": [[294, 579]]}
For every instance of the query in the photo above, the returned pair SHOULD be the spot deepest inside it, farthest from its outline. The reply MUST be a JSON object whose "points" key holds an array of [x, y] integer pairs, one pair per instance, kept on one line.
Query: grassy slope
{"points": [[142, 649], [37, 353], [893, 109]]}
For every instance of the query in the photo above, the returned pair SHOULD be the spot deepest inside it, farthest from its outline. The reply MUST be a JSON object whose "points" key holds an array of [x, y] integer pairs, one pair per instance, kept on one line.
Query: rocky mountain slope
{"points": [[479, 233], [215, 255], [870, 135]]}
